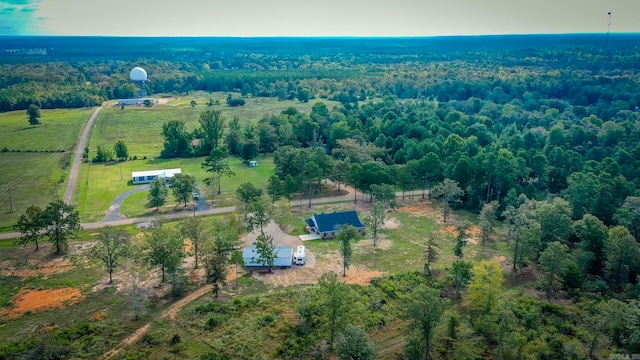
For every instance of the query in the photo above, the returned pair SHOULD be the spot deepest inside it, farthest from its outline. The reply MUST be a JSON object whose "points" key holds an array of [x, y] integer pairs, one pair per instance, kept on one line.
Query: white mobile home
{"points": [[145, 177]]}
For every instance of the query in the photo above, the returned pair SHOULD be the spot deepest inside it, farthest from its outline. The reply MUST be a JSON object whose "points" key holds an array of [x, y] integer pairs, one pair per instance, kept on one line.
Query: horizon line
{"points": [[316, 36]]}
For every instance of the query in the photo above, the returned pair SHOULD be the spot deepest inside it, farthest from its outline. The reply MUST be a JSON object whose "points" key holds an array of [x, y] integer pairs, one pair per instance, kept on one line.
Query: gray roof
{"points": [[284, 255]]}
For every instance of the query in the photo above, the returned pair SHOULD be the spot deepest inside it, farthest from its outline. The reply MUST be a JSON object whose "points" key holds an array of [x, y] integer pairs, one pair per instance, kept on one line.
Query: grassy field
{"points": [[99, 184], [141, 128], [32, 172], [59, 130], [29, 179]]}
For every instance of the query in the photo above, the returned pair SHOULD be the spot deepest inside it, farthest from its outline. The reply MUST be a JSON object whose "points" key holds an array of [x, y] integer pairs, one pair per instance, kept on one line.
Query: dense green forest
{"points": [[540, 132]]}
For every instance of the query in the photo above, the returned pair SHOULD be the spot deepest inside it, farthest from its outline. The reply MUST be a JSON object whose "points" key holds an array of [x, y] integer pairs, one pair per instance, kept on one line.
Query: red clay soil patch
{"points": [[474, 231], [97, 317], [40, 300], [37, 268], [422, 210], [359, 276]]}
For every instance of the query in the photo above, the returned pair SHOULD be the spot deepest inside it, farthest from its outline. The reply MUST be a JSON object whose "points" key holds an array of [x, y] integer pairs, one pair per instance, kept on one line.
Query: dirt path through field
{"points": [[170, 313], [75, 165]]}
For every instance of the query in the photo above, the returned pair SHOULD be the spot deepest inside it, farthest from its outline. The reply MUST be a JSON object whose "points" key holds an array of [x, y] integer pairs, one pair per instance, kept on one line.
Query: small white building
{"points": [[137, 102], [253, 163], [145, 177]]}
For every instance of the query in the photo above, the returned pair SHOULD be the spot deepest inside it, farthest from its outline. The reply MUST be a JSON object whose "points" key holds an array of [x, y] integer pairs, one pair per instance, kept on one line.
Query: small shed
{"points": [[328, 225], [253, 163], [283, 260]]}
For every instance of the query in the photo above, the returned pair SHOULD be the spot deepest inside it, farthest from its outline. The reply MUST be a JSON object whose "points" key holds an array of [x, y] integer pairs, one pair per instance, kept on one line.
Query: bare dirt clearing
{"points": [[474, 231], [423, 209], [35, 268], [310, 272], [391, 223], [39, 300]]}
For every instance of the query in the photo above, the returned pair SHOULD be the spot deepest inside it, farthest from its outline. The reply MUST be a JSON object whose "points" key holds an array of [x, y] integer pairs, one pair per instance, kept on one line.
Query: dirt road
{"points": [[77, 158], [170, 313]]}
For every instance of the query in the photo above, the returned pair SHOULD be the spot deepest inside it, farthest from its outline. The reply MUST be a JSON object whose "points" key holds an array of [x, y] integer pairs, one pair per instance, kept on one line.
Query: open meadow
{"points": [[29, 179], [33, 169], [59, 130]]}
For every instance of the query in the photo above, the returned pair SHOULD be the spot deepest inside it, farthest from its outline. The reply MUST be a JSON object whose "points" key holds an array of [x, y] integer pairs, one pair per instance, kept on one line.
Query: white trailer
{"points": [[300, 256]]}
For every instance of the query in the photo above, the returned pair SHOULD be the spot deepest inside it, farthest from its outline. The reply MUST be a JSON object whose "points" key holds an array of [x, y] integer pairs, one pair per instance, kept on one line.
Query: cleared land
{"points": [[102, 317]]}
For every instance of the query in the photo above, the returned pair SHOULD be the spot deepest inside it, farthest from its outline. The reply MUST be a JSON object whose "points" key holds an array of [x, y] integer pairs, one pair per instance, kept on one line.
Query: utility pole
{"points": [[606, 40], [10, 202]]}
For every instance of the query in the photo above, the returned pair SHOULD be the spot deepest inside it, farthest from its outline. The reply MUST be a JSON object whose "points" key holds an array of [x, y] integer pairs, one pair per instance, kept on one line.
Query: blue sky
{"points": [[317, 18]]}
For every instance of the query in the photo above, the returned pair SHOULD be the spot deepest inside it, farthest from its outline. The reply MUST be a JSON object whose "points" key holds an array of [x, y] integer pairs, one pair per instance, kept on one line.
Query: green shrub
{"points": [[265, 320], [212, 323], [150, 339]]}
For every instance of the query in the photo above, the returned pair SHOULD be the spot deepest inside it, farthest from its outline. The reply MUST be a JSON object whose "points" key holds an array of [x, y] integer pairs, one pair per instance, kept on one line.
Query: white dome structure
{"points": [[138, 74]]}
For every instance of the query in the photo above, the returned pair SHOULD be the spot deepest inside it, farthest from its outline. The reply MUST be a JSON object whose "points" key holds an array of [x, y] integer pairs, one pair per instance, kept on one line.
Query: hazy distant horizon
{"points": [[331, 18], [324, 36]]}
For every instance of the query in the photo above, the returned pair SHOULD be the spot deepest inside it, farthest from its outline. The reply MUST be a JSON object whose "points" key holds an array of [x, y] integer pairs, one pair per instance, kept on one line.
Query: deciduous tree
{"points": [[276, 188], [158, 193], [553, 261], [218, 163], [33, 113], [165, 248], [450, 193], [30, 225], [237, 260], [376, 220], [61, 222], [266, 251], [628, 215], [623, 254], [212, 126], [260, 214], [120, 150], [184, 185], [112, 247], [555, 220], [353, 344], [346, 235], [194, 229], [176, 140], [525, 232], [460, 275], [487, 222], [486, 282], [337, 302], [424, 307], [217, 253], [592, 234]]}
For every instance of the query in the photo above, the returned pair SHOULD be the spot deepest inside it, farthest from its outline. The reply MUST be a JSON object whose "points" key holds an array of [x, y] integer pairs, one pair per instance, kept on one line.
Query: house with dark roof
{"points": [[283, 260], [328, 225]]}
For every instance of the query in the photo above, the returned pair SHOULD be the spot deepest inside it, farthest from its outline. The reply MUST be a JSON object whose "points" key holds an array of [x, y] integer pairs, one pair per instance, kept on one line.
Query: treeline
{"points": [[444, 68]]}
